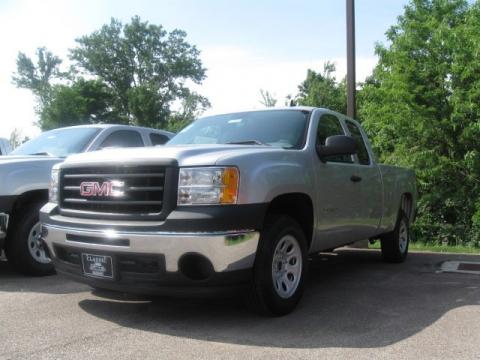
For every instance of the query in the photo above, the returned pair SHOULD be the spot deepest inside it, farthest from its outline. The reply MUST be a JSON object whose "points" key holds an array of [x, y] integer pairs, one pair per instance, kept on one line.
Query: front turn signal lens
{"points": [[230, 186]]}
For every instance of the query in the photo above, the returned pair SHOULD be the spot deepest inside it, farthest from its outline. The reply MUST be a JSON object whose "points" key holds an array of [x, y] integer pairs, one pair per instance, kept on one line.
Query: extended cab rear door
{"points": [[367, 191]]}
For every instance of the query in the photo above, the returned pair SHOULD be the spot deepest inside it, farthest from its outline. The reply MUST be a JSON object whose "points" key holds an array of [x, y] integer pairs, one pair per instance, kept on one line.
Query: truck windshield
{"points": [[278, 128], [59, 142]]}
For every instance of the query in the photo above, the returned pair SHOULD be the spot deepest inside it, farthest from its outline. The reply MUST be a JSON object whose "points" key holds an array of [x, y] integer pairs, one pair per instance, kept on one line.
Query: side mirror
{"points": [[337, 145]]}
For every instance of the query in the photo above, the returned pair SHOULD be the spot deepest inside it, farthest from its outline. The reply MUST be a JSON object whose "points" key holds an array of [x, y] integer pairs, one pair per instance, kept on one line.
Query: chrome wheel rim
{"points": [[287, 266], [403, 237], [35, 246]]}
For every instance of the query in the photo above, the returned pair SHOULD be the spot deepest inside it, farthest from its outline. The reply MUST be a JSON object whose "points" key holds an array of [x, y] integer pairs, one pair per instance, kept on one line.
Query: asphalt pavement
{"points": [[355, 306]]}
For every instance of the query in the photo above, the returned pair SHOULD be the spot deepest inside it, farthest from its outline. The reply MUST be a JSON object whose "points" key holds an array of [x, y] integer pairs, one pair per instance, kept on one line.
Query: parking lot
{"points": [[355, 306]]}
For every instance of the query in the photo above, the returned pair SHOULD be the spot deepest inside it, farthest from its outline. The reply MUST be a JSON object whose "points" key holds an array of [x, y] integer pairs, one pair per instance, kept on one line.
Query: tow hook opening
{"points": [[195, 266]]}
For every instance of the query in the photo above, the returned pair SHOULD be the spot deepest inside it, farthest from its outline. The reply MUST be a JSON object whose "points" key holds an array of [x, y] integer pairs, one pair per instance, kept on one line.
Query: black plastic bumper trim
{"points": [[163, 283], [184, 219]]}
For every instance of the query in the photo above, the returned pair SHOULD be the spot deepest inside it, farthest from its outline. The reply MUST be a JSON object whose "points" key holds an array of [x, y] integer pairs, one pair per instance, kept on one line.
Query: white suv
{"points": [[25, 177]]}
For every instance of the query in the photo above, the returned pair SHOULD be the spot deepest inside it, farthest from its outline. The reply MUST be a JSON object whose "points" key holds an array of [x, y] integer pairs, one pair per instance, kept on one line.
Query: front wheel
{"points": [[395, 244], [280, 267], [24, 249]]}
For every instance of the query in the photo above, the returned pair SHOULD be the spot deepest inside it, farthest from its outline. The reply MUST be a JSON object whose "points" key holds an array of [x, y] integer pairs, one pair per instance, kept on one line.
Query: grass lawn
{"points": [[418, 246]]}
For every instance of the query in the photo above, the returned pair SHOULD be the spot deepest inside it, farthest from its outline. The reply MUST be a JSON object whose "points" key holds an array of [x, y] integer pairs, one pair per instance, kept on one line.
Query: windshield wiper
{"points": [[247, 142], [43, 153]]}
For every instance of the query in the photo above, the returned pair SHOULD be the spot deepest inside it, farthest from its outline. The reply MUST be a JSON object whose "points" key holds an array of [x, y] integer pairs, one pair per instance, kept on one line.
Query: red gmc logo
{"points": [[107, 188]]}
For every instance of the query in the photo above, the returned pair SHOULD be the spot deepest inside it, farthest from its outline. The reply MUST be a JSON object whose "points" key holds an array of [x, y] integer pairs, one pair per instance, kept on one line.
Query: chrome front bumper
{"points": [[3, 225], [227, 251]]}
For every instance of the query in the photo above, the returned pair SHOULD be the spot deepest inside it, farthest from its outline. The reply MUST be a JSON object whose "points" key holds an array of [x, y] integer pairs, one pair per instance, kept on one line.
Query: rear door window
{"points": [[122, 139], [158, 139]]}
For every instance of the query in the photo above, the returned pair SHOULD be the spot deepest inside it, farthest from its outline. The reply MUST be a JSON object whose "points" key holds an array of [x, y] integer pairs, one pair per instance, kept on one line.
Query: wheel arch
{"points": [[29, 197], [406, 205], [299, 206]]}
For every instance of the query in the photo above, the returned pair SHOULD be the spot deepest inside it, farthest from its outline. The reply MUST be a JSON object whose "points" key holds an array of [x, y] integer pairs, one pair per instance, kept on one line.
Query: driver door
{"points": [[335, 190]]}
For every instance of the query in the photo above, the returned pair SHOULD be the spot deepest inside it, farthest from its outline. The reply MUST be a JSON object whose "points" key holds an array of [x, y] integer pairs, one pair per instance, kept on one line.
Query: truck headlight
{"points": [[208, 186], [53, 189]]}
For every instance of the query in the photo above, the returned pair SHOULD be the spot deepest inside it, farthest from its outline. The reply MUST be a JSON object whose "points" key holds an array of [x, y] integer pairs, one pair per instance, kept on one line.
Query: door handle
{"points": [[355, 178]]}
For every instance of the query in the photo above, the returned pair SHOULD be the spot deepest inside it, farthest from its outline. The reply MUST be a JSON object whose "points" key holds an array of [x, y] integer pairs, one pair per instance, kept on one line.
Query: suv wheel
{"points": [[24, 248], [280, 267]]}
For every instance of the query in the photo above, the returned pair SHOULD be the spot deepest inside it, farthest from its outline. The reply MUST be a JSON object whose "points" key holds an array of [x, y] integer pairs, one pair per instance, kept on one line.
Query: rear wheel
{"points": [[280, 267], [24, 248], [395, 244]]}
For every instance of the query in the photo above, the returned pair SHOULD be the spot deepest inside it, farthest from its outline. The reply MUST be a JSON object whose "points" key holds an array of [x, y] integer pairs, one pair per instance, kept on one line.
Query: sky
{"points": [[245, 45]]}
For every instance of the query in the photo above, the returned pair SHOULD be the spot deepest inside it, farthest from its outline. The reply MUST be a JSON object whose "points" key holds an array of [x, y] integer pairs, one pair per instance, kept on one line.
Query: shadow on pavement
{"points": [[353, 299], [12, 281]]}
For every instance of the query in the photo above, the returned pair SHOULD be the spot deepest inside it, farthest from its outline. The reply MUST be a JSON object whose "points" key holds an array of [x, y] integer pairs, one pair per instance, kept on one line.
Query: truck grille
{"points": [[113, 190]]}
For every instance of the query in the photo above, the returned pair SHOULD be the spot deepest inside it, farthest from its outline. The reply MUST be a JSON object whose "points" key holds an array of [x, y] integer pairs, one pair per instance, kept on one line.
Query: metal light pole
{"points": [[351, 107]]}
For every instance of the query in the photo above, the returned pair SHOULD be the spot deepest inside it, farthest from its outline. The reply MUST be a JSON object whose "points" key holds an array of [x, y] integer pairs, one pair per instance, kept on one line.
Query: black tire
{"points": [[17, 251], [263, 297], [394, 245]]}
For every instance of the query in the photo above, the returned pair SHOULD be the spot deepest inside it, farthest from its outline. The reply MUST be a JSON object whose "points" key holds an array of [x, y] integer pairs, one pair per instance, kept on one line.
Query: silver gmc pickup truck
{"points": [[233, 201]]}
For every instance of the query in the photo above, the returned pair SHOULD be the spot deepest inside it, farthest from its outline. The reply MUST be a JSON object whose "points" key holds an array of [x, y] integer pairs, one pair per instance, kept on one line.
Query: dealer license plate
{"points": [[99, 266]]}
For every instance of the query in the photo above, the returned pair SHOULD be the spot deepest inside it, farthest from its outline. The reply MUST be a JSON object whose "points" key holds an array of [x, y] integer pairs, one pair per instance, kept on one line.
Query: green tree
{"points": [[323, 90], [421, 108], [82, 102], [136, 73], [38, 77], [267, 98], [17, 138], [192, 106], [145, 68]]}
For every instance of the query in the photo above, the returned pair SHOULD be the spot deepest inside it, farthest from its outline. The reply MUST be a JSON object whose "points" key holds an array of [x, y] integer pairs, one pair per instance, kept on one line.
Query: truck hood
{"points": [[183, 155], [25, 159], [19, 174]]}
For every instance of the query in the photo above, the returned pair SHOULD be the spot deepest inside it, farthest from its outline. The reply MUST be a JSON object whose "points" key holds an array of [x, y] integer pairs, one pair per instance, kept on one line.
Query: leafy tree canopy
{"points": [[37, 77], [323, 90], [132, 74], [267, 99], [82, 102], [422, 109], [17, 138]]}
